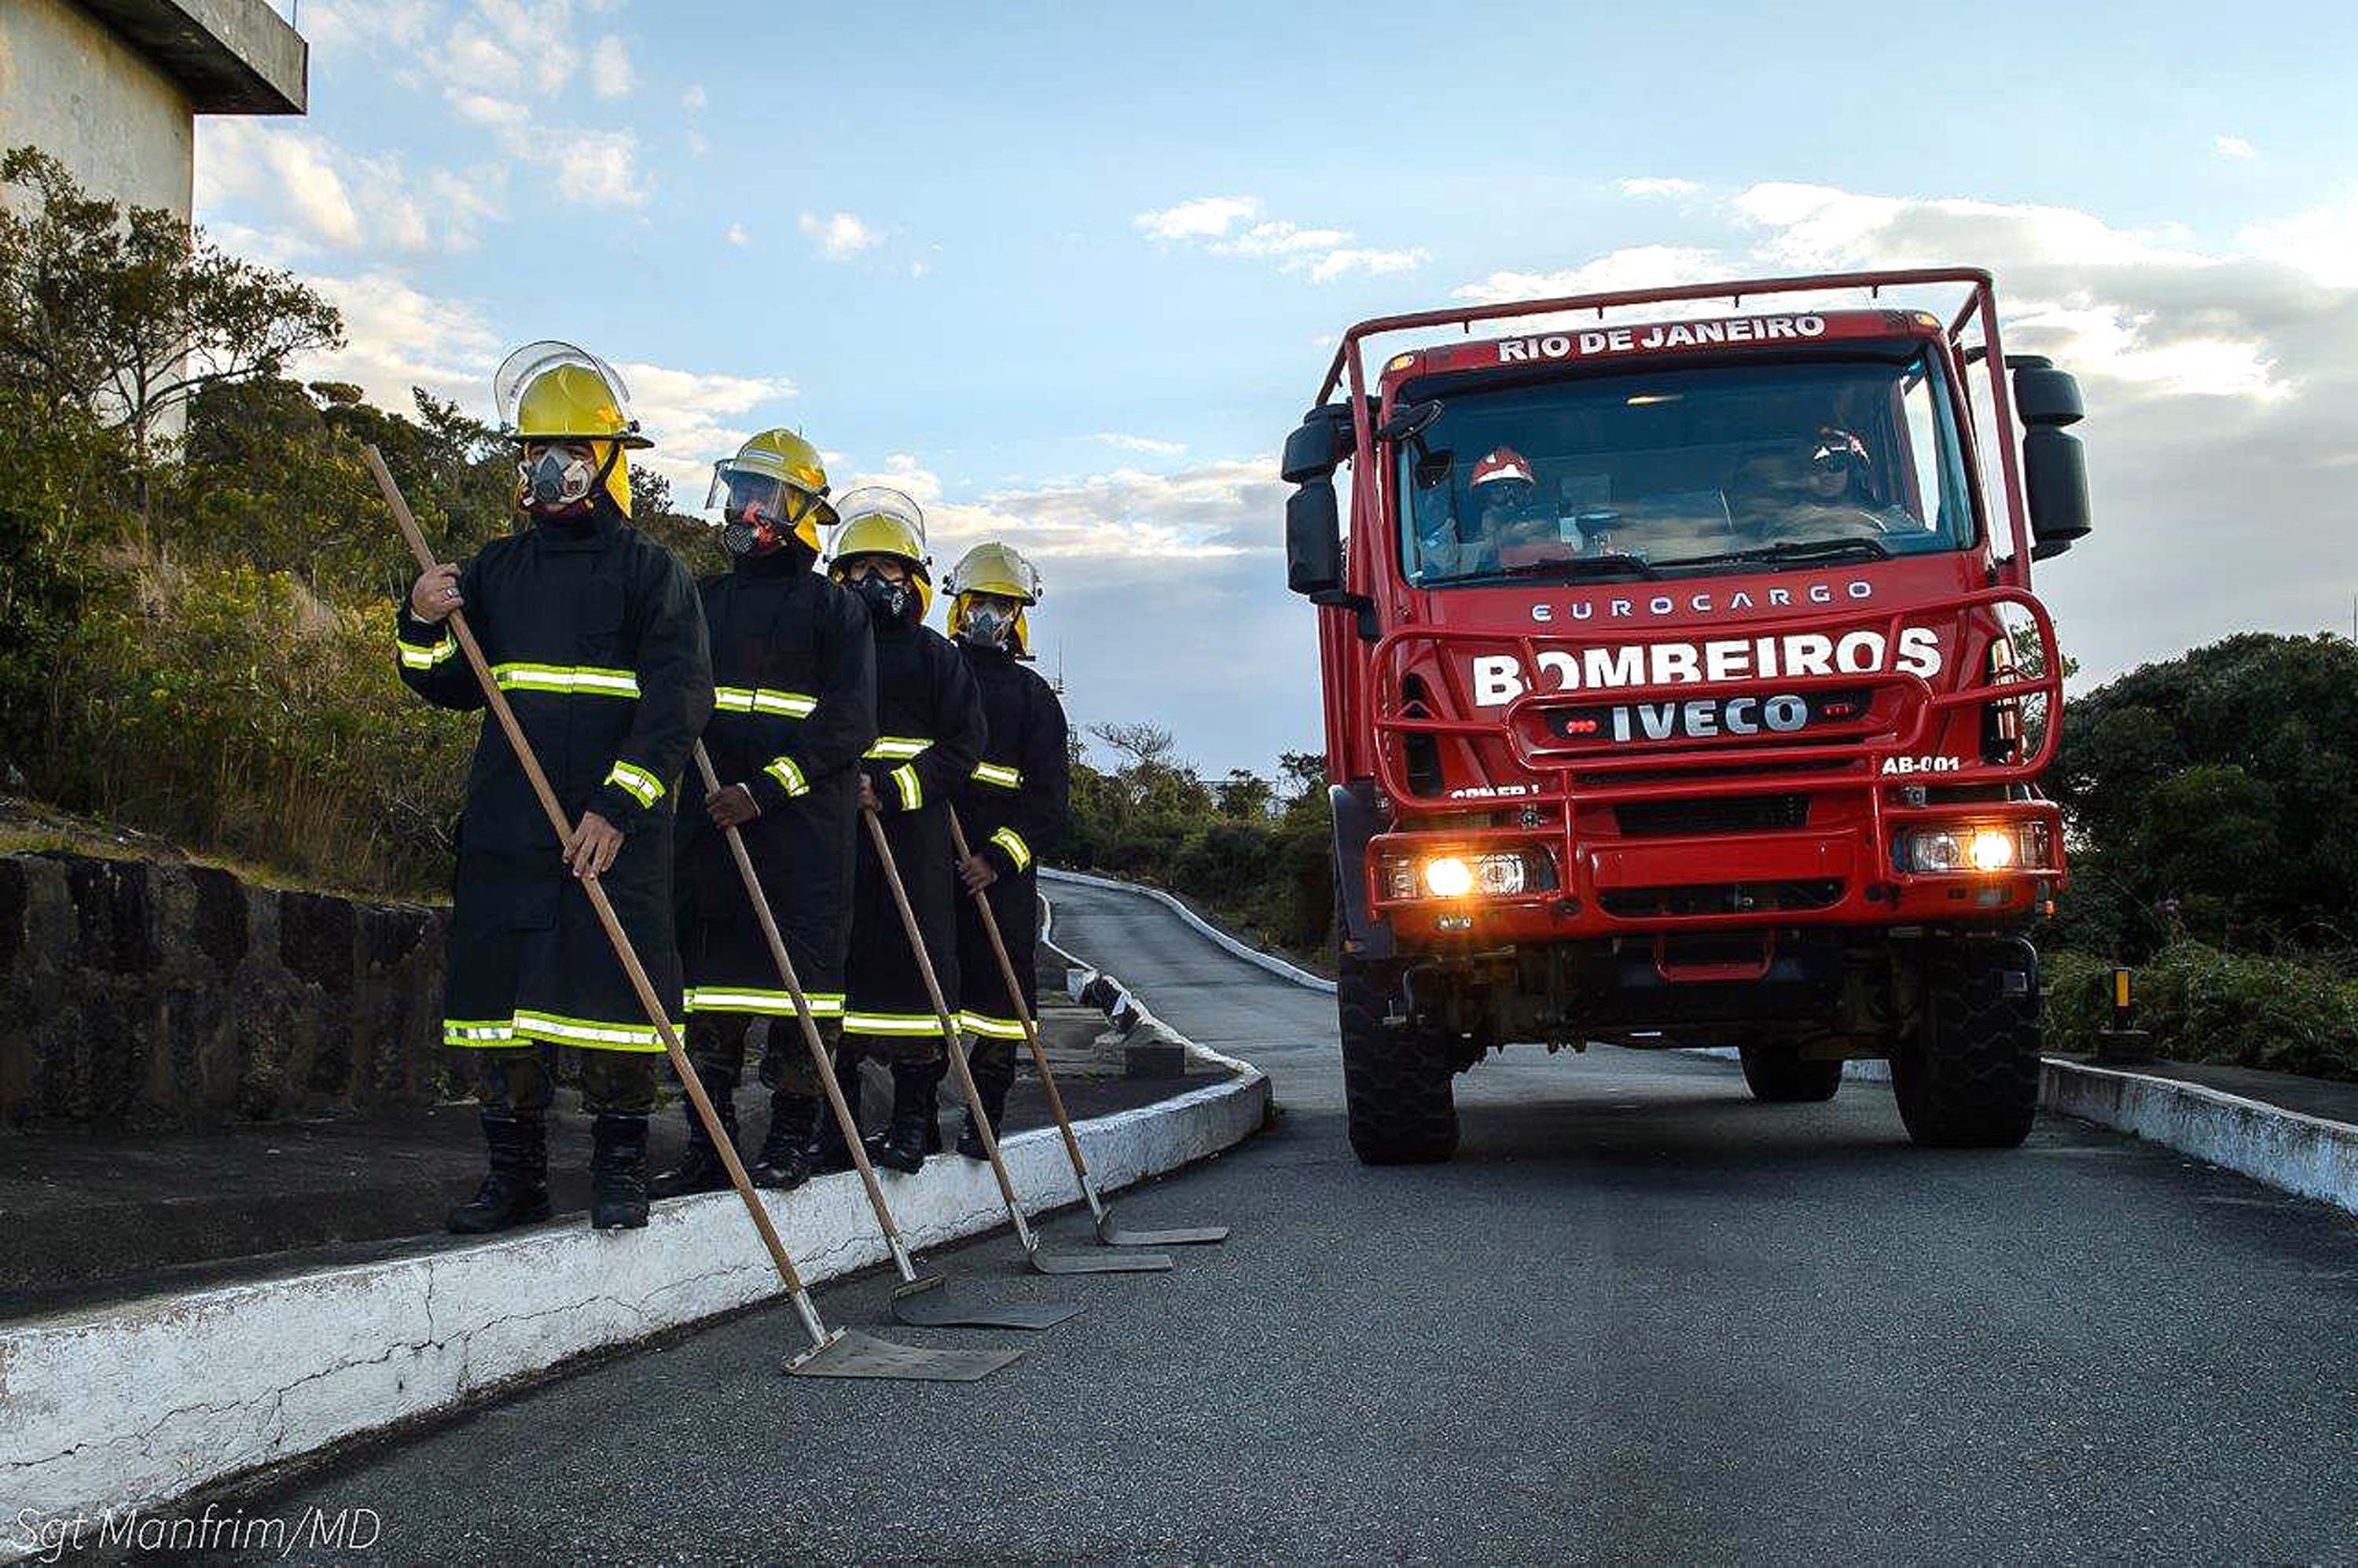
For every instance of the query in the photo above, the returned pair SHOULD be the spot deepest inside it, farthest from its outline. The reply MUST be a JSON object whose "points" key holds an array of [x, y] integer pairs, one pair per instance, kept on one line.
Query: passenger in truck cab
{"points": [[1519, 525]]}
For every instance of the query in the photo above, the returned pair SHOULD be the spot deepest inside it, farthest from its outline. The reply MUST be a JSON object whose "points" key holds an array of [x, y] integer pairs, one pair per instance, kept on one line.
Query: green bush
{"points": [[2202, 1004]]}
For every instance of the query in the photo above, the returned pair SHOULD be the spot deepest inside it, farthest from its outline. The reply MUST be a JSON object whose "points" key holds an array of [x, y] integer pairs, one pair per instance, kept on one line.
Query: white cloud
{"points": [[2233, 146], [694, 99], [312, 195], [597, 168], [1658, 186], [485, 109], [737, 234], [1139, 443], [1233, 226], [841, 235], [610, 68]]}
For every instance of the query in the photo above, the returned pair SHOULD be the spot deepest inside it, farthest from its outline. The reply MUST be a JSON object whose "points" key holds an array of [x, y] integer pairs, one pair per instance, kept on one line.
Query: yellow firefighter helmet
{"points": [[554, 391], [775, 478], [995, 568], [880, 521]]}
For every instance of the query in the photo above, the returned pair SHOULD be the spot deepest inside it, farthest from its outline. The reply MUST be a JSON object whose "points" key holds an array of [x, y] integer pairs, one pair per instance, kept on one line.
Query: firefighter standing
{"points": [[929, 726], [794, 709], [592, 632], [1012, 807]]}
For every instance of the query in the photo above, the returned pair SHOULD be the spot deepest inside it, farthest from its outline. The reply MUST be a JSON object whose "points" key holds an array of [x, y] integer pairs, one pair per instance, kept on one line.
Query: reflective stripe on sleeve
{"points": [[1017, 849], [900, 1025], [569, 680], [790, 777], [772, 1004], [426, 655], [758, 699], [643, 786], [913, 794], [558, 1030], [478, 1031], [897, 748], [992, 774], [991, 1028]]}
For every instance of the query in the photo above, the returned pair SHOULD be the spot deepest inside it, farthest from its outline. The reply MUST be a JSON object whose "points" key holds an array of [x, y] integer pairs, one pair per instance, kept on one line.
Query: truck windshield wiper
{"points": [[1792, 550], [1570, 566]]}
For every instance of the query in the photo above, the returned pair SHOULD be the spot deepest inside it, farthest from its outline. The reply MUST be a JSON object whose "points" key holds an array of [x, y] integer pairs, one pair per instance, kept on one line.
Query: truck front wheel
{"points": [[1968, 1076], [1396, 1078], [1779, 1076]]}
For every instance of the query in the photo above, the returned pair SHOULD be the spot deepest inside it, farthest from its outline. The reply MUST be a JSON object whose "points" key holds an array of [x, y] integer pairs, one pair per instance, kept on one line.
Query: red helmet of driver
{"points": [[1503, 465]]}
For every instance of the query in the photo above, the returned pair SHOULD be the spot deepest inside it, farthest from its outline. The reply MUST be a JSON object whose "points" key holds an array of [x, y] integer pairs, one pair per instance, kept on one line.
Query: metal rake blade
{"points": [[1113, 1235], [924, 1303], [1099, 1262], [849, 1353]]}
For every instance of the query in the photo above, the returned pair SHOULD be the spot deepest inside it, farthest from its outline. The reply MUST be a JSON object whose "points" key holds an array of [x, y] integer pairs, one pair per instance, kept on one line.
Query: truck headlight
{"points": [[1446, 876], [1986, 848]]}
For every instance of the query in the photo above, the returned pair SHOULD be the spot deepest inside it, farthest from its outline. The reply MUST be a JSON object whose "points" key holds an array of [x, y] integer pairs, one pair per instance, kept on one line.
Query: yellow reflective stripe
{"points": [[913, 794], [778, 1004], [897, 748], [478, 1031], [1012, 842], [894, 1024], [644, 787], [426, 655], [561, 1030], [790, 777], [572, 680], [759, 700], [991, 1028], [992, 774]]}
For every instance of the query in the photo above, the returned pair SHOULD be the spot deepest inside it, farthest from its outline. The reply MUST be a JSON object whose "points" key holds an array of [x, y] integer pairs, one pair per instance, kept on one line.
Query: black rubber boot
{"points": [[904, 1148], [618, 1172], [991, 1088], [785, 1162], [699, 1169], [515, 1190], [828, 1153]]}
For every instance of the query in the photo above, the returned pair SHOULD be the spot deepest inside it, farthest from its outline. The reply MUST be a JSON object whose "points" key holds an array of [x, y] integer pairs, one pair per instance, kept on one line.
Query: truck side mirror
{"points": [[1323, 440], [2054, 464], [1313, 537]]}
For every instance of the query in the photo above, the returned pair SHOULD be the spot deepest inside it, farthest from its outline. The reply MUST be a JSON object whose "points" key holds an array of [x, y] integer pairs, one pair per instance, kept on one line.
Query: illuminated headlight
{"points": [[1463, 876], [1985, 848]]}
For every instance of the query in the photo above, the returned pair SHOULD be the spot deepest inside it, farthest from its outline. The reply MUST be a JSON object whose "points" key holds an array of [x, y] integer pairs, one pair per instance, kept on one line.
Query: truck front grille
{"points": [[1723, 813], [1722, 898]]}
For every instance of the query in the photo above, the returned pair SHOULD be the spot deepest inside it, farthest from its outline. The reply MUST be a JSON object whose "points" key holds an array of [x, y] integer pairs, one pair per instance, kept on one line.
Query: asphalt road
{"points": [[1639, 1318]]}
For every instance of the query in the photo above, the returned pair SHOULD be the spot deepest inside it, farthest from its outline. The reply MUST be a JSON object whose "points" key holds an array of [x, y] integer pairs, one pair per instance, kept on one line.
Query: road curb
{"points": [[139, 1404], [1274, 965], [2289, 1149]]}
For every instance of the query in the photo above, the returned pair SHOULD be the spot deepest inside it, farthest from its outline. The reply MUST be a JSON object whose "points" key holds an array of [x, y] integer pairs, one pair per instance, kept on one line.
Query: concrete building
{"points": [[112, 88]]}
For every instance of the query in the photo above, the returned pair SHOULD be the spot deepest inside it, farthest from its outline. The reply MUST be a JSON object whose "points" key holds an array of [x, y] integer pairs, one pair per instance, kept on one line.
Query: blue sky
{"points": [[1065, 275]]}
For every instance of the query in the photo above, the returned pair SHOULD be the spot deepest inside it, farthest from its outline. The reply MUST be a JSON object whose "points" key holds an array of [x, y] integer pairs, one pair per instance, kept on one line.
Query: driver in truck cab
{"points": [[1513, 524]]}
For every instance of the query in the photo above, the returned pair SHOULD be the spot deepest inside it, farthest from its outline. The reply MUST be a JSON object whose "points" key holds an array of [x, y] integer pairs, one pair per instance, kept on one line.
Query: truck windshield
{"points": [[1733, 466]]}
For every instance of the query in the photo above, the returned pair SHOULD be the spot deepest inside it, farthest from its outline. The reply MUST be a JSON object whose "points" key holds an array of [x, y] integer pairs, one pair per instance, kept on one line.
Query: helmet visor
{"points": [[527, 364], [745, 495]]}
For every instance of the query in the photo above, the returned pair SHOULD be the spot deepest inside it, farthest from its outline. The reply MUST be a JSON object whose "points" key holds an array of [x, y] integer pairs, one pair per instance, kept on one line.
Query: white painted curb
{"points": [[1269, 961], [2289, 1149], [140, 1403]]}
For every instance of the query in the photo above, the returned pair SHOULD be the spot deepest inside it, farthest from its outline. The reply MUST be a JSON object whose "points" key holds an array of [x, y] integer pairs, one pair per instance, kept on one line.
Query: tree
{"points": [[1245, 794], [129, 314]]}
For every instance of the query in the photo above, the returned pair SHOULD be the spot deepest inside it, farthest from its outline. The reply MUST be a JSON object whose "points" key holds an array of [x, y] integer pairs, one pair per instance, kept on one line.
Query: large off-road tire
{"points": [[1396, 1080], [1779, 1076], [1968, 1079]]}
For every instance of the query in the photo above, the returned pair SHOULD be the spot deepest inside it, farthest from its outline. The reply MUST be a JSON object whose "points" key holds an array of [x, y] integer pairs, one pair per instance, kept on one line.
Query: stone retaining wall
{"points": [[151, 994]]}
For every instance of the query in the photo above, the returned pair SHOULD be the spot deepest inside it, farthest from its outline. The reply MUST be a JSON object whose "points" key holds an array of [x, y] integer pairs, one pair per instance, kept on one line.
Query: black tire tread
{"points": [[1401, 1106], [1970, 1077]]}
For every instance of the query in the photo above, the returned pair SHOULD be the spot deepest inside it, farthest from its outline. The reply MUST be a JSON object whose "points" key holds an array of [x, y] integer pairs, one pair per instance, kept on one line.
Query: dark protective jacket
{"points": [[795, 710], [592, 632], [1012, 807], [929, 735]]}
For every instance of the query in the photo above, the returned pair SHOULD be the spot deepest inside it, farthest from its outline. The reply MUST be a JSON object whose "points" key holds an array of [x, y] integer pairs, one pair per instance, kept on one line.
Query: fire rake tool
{"points": [[833, 1353], [1111, 1234], [1045, 1263], [919, 1298]]}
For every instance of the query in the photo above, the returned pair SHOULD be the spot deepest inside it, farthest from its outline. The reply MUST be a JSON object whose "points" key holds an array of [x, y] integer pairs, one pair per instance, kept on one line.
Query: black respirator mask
{"points": [[886, 600], [558, 481]]}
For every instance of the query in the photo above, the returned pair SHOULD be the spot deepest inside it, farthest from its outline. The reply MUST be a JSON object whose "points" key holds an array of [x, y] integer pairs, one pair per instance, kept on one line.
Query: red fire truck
{"points": [[1683, 685]]}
